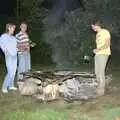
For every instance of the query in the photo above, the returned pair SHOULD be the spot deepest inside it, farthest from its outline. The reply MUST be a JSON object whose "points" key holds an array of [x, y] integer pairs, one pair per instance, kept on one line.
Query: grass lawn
{"points": [[13, 106]]}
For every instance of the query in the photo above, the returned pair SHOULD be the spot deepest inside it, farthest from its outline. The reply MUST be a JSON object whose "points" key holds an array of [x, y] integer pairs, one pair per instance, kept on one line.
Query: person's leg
{"points": [[11, 65], [13, 72], [102, 61], [6, 80], [21, 65], [96, 62], [27, 61]]}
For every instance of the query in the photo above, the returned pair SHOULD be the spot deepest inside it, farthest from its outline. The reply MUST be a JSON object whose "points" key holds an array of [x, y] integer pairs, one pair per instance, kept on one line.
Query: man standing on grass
{"points": [[102, 53]]}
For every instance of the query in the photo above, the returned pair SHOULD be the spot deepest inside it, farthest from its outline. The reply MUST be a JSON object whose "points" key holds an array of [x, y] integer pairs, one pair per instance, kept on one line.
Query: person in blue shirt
{"points": [[8, 44]]}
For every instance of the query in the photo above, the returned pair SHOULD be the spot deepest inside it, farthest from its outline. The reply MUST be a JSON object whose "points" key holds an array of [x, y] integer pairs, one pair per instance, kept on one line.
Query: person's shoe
{"points": [[4, 90], [13, 88], [100, 91]]}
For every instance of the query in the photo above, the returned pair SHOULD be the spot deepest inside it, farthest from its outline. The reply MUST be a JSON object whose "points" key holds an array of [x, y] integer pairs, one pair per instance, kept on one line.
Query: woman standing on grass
{"points": [[8, 44]]}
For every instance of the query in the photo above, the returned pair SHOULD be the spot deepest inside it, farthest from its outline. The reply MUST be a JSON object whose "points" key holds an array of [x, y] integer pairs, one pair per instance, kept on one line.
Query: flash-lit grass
{"points": [[13, 106], [51, 114]]}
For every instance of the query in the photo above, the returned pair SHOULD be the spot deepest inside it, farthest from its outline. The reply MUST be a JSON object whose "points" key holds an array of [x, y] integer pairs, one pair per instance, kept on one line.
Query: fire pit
{"points": [[71, 85]]}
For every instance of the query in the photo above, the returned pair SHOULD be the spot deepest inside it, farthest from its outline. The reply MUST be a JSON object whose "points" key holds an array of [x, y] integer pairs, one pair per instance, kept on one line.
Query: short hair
{"points": [[98, 23], [25, 23], [8, 25]]}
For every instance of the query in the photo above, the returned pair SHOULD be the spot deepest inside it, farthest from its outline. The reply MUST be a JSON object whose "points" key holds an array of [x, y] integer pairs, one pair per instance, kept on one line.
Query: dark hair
{"points": [[8, 26], [98, 23], [23, 23]]}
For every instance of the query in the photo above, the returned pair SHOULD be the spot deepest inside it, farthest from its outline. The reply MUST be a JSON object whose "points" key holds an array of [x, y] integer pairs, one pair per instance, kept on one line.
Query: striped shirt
{"points": [[23, 41]]}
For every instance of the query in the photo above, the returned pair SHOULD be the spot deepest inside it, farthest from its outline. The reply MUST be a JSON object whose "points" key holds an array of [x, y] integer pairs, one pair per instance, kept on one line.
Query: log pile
{"points": [[50, 85]]}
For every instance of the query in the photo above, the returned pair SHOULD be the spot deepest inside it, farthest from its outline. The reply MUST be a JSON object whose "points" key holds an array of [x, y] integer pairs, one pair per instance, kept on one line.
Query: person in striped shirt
{"points": [[23, 44]]}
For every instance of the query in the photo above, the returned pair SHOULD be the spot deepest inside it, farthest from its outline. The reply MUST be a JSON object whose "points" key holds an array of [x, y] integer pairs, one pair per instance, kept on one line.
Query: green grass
{"points": [[51, 114], [47, 114], [13, 106], [110, 114]]}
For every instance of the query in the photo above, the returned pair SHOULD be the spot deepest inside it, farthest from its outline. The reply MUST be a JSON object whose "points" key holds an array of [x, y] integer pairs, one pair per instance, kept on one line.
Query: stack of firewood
{"points": [[46, 85]]}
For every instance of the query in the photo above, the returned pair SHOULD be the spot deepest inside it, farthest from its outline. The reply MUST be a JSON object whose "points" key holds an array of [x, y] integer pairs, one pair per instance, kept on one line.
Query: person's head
{"points": [[96, 26], [23, 27], [10, 28]]}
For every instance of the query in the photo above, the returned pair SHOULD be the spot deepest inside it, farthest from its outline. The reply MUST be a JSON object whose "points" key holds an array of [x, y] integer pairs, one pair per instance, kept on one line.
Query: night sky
{"points": [[7, 11], [7, 7]]}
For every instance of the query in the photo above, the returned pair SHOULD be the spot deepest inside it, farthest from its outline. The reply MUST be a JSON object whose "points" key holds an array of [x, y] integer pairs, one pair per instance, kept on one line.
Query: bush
{"points": [[74, 39], [71, 41]]}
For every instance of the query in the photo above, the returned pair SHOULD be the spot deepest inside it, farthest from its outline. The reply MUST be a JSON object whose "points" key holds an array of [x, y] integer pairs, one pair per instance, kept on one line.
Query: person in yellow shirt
{"points": [[102, 53]]}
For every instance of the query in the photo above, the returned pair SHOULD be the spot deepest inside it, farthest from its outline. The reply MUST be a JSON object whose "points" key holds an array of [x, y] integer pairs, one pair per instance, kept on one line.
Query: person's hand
{"points": [[95, 51], [33, 44]]}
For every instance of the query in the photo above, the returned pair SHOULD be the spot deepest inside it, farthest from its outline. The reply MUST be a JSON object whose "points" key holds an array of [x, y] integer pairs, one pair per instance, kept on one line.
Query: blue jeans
{"points": [[11, 65], [24, 63]]}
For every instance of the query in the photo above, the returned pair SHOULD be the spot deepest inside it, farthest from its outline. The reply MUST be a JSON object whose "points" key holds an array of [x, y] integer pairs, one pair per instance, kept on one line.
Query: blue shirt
{"points": [[8, 44]]}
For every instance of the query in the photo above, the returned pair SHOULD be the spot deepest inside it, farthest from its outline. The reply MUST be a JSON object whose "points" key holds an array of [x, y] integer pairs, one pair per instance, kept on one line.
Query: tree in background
{"points": [[73, 39]]}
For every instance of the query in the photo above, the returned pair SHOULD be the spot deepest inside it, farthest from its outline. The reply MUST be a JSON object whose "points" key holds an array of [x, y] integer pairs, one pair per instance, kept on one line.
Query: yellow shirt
{"points": [[101, 37]]}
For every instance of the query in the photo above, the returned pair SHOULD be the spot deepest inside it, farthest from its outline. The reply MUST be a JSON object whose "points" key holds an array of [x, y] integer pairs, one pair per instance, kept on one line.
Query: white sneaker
{"points": [[13, 88], [4, 90]]}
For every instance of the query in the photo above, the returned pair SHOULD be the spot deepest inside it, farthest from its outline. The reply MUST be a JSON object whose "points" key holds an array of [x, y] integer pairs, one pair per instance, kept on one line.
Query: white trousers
{"points": [[100, 65]]}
